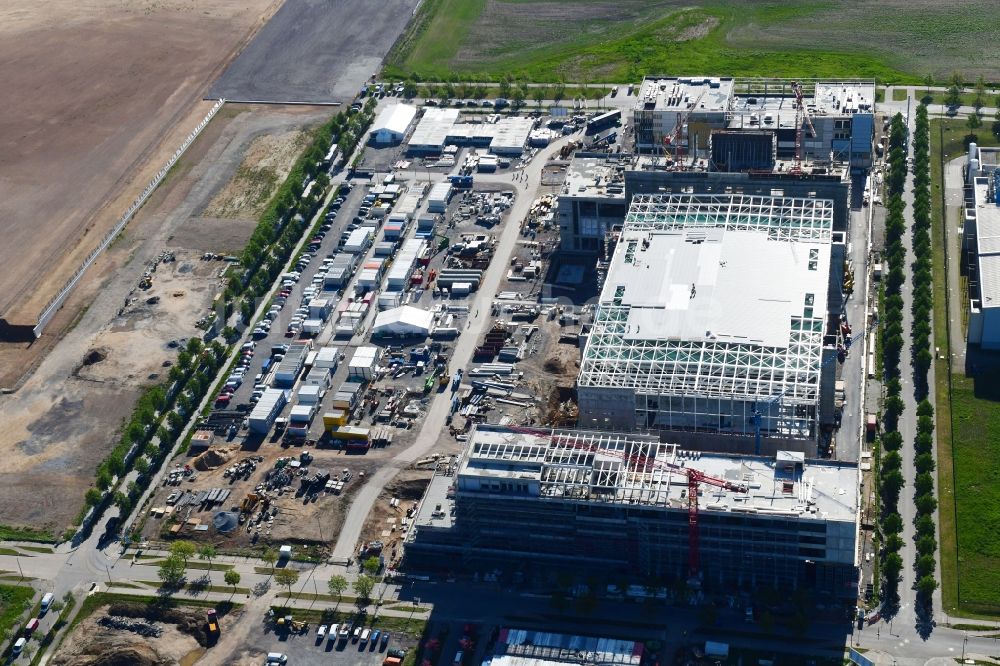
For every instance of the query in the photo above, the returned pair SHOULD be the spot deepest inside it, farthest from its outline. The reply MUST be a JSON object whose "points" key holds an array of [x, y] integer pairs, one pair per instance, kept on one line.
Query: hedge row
{"points": [[891, 480], [923, 303]]}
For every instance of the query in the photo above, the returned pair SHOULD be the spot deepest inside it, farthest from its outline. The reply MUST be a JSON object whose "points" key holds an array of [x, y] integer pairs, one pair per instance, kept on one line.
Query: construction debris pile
{"points": [[140, 627]]}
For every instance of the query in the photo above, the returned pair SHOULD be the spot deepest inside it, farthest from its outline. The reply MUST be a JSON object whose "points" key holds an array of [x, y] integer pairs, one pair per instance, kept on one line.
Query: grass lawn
{"points": [[194, 564], [968, 430], [11, 533], [14, 600], [937, 97], [588, 40]]}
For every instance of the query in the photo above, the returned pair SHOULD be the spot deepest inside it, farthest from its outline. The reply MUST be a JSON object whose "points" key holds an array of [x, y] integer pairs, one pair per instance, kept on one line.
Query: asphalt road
{"points": [[315, 51]]}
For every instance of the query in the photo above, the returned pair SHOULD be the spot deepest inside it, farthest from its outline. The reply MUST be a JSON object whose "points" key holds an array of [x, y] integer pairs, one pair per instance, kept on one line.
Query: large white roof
{"points": [[717, 284], [404, 319], [395, 118]]}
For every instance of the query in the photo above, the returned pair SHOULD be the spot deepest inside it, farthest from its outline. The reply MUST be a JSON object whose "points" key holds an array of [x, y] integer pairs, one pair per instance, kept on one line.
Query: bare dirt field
{"points": [[315, 51], [265, 165], [296, 518], [63, 419], [182, 639], [97, 95], [387, 523]]}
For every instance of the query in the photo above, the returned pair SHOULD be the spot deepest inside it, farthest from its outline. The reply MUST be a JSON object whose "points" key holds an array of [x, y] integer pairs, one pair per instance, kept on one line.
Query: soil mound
{"points": [[212, 459]]}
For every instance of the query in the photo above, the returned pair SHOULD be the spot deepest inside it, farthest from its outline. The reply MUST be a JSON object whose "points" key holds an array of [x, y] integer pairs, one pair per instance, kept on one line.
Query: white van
{"points": [[277, 658], [47, 601], [18, 646]]}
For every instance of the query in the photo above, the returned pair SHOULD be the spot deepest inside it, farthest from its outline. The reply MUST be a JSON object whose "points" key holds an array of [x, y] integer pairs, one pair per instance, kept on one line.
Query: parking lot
{"points": [[310, 648]]}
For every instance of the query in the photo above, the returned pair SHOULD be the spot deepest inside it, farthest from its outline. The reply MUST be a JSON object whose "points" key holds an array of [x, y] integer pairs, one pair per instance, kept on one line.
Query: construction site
{"points": [[701, 316], [528, 502]]}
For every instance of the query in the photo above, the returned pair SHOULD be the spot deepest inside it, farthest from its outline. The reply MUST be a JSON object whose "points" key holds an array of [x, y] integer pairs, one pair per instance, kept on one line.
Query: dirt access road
{"points": [[97, 95]]}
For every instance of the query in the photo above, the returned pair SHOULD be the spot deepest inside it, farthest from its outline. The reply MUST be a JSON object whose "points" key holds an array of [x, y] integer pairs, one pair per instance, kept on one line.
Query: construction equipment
{"points": [[212, 619], [801, 113], [682, 118], [644, 464]]}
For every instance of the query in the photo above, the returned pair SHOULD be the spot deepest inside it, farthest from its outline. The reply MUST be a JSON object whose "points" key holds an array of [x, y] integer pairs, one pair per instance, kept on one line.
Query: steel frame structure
{"points": [[709, 369], [782, 218]]}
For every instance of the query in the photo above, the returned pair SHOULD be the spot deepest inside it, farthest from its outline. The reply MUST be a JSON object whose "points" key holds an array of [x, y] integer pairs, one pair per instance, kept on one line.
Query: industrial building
{"points": [[823, 119], [621, 506], [442, 127], [392, 124], [715, 322], [981, 246]]}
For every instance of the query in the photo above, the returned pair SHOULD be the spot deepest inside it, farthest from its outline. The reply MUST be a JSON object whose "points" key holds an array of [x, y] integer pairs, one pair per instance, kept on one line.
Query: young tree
{"points": [[287, 577], [232, 577], [93, 497], [363, 586], [337, 585], [538, 94], [926, 586], [973, 122], [171, 571], [183, 549], [207, 552], [270, 556], [371, 566], [980, 99]]}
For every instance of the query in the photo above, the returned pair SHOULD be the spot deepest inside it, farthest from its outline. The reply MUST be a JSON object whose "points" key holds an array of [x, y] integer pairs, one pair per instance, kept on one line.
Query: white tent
{"points": [[392, 123], [405, 320]]}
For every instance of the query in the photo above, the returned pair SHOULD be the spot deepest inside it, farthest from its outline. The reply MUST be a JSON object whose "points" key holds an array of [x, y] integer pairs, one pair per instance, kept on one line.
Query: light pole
{"points": [[964, 641]]}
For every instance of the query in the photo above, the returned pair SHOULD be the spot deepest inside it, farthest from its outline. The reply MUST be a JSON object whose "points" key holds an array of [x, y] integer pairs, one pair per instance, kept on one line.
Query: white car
{"points": [[321, 632]]}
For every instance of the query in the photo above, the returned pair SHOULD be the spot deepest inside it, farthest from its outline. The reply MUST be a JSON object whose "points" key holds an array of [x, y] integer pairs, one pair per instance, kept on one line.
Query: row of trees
{"points": [[156, 422], [286, 217], [922, 309], [890, 479]]}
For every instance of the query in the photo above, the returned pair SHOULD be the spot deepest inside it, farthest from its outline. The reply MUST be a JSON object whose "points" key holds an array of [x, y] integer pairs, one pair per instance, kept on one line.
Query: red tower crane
{"points": [[644, 464], [801, 113]]}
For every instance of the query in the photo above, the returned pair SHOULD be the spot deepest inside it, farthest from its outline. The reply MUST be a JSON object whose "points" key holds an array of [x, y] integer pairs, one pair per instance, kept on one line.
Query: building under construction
{"points": [[718, 320], [628, 506], [812, 119]]}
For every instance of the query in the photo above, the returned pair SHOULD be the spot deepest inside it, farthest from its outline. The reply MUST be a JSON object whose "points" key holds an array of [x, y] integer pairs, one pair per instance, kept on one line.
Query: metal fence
{"points": [[56, 302]]}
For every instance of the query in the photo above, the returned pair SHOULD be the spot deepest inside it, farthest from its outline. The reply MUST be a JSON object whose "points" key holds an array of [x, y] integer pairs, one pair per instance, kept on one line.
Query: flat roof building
{"points": [[441, 127], [592, 200], [617, 504], [716, 307], [981, 239]]}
